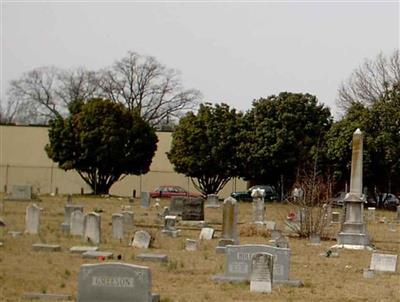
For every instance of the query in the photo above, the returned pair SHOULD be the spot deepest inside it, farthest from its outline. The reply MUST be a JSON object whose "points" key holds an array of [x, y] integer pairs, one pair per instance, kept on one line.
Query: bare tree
{"points": [[145, 85], [370, 81]]}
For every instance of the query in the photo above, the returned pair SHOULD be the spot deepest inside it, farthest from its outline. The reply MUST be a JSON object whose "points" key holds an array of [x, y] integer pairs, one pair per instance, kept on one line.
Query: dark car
{"points": [[270, 193], [170, 191]]}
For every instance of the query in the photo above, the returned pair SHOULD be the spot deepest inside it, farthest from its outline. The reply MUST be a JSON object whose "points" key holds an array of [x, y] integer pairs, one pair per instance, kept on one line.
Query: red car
{"points": [[169, 191]]}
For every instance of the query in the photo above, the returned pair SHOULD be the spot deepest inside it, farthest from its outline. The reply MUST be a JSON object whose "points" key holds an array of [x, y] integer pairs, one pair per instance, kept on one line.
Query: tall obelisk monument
{"points": [[353, 234]]}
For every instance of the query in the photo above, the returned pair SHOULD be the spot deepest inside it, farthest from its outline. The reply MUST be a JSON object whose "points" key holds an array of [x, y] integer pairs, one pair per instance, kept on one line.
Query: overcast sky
{"points": [[231, 52]]}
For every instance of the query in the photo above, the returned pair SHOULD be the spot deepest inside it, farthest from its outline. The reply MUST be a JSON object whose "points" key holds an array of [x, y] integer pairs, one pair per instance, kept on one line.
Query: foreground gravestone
{"points": [[206, 234], [77, 223], [92, 230], [238, 263], [383, 262], [114, 282], [193, 209], [117, 226], [229, 224], [212, 201], [176, 205], [261, 273], [141, 240], [145, 200], [32, 219], [21, 192]]}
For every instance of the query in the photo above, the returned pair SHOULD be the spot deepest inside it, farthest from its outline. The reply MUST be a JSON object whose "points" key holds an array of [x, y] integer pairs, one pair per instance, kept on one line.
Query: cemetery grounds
{"points": [[187, 275]]}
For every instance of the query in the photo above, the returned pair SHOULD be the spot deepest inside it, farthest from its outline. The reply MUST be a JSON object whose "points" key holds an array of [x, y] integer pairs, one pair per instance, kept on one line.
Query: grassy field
{"points": [[187, 276]]}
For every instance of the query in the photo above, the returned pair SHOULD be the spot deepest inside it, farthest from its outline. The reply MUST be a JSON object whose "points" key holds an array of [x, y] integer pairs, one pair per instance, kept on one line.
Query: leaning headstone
{"points": [[21, 192], [229, 223], [169, 226], [258, 206], [238, 263], [145, 200], [193, 209], [383, 262], [77, 223], [191, 245], [141, 240], [117, 226], [92, 230], [212, 201], [206, 234], [371, 214], [335, 217], [114, 282], [32, 219], [261, 273], [176, 205]]}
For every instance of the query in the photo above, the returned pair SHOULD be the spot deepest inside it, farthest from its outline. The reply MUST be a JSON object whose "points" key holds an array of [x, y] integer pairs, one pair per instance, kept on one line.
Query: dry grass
{"points": [[187, 275]]}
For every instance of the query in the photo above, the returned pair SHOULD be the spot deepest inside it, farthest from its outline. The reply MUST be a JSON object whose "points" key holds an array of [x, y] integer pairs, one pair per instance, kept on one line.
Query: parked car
{"points": [[168, 191], [338, 199], [270, 193], [387, 201]]}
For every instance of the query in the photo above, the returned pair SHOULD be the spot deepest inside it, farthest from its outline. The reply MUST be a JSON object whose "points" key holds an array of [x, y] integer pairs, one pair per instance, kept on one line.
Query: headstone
{"points": [[68, 210], [212, 201], [92, 230], [141, 240], [315, 239], [97, 254], [191, 245], [353, 233], [21, 192], [117, 226], [392, 227], [32, 219], [229, 223], [145, 200], [128, 219], [335, 217], [327, 213], [83, 249], [77, 223], [152, 257], [114, 282], [193, 209], [371, 214], [270, 225], [261, 273], [206, 234], [258, 206], [238, 263], [46, 247], [176, 205], [383, 262], [169, 226]]}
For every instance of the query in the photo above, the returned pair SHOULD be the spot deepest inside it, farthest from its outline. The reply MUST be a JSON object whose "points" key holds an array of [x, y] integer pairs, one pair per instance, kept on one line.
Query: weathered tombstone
{"points": [[383, 262], [176, 205], [327, 213], [238, 263], [261, 273], [21, 192], [32, 219], [141, 240], [229, 223], [193, 209], [77, 223], [258, 206], [315, 239], [117, 226], [335, 217], [68, 210], [353, 233], [169, 226], [114, 282], [191, 245], [127, 219], [206, 234], [371, 214], [145, 200], [92, 230], [212, 201]]}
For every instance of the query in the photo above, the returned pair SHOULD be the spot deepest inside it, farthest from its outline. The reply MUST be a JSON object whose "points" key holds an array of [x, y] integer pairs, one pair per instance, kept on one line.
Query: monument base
{"points": [[171, 233], [237, 280], [353, 241]]}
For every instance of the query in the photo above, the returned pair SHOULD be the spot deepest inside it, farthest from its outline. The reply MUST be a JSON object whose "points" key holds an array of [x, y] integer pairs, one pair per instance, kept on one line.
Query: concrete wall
{"points": [[24, 161]]}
